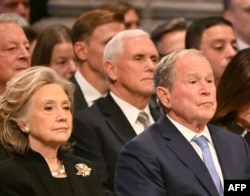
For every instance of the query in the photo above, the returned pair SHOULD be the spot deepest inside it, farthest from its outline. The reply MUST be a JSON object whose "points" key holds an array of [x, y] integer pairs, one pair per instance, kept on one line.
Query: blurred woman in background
{"points": [[54, 49], [233, 96]]}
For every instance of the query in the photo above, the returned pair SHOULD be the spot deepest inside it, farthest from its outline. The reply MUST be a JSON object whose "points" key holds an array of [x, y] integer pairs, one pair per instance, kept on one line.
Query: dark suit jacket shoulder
{"points": [[79, 99], [30, 175], [99, 132], [160, 161]]}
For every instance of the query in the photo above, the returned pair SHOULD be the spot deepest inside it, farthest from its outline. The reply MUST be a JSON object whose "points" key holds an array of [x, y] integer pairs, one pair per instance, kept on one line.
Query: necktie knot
{"points": [[201, 141], [143, 119]]}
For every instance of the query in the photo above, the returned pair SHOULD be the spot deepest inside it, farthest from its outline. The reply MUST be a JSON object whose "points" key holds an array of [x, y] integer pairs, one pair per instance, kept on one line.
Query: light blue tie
{"points": [[208, 160]]}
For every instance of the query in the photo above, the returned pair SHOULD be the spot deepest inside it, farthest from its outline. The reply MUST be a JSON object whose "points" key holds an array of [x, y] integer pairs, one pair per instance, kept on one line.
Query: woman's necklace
{"points": [[59, 172]]}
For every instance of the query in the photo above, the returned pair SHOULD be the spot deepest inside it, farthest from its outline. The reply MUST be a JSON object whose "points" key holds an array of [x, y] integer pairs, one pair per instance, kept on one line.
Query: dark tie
{"points": [[143, 119], [208, 160]]}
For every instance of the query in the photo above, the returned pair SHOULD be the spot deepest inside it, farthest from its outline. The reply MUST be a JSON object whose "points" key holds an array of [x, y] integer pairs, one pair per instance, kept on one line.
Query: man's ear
{"points": [[81, 51], [163, 95], [111, 69]]}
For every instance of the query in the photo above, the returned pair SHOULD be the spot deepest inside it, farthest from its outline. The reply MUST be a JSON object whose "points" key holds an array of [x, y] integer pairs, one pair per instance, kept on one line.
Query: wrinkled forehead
{"points": [[191, 62], [12, 33], [7, 27]]}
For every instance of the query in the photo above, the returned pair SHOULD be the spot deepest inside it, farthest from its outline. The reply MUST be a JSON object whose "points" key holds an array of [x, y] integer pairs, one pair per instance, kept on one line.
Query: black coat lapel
{"points": [[41, 171]]}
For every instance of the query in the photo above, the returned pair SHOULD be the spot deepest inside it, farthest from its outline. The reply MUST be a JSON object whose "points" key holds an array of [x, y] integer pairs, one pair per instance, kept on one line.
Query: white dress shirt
{"points": [[90, 93], [241, 45], [132, 113], [189, 135]]}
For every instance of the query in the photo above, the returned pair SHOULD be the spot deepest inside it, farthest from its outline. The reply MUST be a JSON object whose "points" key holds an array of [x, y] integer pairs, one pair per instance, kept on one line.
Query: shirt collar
{"points": [[129, 110], [241, 45], [188, 133], [90, 93]]}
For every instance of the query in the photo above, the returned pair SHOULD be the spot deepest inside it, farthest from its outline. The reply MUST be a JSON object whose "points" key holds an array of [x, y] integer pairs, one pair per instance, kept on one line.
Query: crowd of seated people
{"points": [[106, 108]]}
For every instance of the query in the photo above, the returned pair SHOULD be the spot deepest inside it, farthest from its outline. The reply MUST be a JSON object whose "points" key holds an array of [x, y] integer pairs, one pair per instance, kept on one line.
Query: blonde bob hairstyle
{"points": [[15, 100]]}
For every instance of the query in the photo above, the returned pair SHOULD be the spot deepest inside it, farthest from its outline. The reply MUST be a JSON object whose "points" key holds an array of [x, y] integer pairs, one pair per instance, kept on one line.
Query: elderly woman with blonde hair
{"points": [[35, 124]]}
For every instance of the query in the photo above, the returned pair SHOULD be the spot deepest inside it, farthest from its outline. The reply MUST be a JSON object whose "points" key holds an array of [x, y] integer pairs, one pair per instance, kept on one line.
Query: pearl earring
{"points": [[26, 130]]}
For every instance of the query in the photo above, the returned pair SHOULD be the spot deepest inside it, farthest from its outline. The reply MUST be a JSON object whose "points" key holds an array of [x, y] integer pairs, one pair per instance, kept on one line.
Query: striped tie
{"points": [[143, 119]]}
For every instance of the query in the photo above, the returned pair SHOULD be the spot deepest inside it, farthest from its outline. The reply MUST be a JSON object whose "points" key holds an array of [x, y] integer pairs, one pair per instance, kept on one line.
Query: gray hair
{"points": [[164, 74], [114, 48], [13, 18]]}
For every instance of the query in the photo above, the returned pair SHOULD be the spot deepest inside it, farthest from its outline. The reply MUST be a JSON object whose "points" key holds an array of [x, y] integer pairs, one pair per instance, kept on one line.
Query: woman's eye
{"points": [[67, 108], [48, 108]]}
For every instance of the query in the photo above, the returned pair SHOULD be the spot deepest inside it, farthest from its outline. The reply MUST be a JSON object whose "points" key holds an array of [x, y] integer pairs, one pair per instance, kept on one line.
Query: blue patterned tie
{"points": [[208, 160]]}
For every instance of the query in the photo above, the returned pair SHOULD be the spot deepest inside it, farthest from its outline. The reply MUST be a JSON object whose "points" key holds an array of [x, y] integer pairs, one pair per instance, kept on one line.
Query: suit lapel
{"points": [[116, 119], [79, 99], [224, 156], [41, 170], [178, 144], [118, 122]]}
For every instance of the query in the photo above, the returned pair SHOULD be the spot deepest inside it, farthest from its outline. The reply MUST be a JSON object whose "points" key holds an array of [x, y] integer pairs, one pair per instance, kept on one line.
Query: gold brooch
{"points": [[83, 169]]}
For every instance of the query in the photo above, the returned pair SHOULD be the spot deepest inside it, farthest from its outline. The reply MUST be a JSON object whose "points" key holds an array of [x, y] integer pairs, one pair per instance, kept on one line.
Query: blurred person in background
{"points": [[130, 13], [233, 96], [215, 37], [54, 49], [170, 35], [20, 7], [90, 34], [237, 12]]}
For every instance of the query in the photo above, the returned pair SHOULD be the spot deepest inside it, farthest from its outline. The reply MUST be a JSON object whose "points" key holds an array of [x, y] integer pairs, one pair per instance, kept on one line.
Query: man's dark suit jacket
{"points": [[100, 131], [30, 175], [160, 161], [79, 99]]}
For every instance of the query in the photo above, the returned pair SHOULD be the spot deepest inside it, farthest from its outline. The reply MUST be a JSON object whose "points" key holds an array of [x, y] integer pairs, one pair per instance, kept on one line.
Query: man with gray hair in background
{"points": [[14, 48], [14, 53]]}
